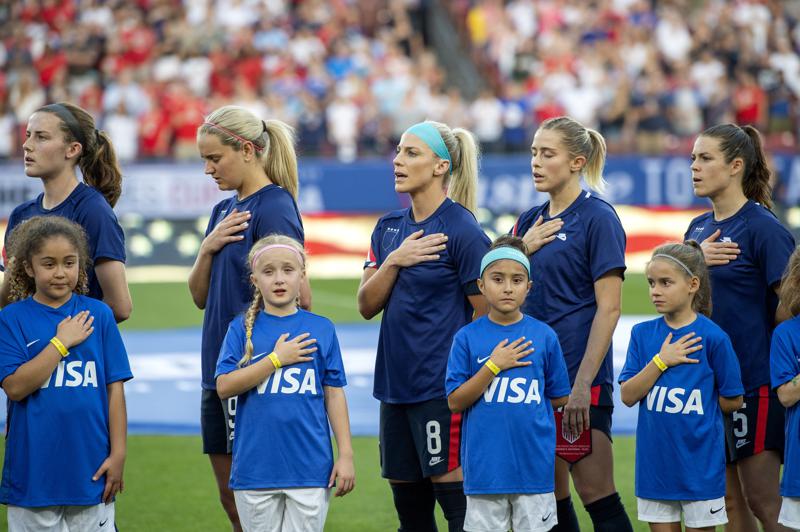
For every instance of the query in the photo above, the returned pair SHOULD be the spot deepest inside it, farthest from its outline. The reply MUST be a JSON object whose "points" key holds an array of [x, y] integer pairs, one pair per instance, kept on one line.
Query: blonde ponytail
{"points": [[462, 185], [249, 320], [279, 158]]}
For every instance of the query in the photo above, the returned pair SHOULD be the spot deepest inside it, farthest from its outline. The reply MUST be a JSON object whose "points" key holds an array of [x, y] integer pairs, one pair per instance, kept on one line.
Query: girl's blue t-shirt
{"points": [[680, 422], [282, 438], [58, 435], [785, 366]]}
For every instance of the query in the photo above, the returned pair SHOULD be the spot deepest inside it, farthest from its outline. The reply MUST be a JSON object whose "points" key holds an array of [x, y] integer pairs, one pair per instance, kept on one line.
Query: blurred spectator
{"points": [[123, 128]]}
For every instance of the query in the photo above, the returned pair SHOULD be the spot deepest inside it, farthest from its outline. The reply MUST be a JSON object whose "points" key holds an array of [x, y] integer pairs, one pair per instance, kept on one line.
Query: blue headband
{"points": [[505, 252], [428, 134]]}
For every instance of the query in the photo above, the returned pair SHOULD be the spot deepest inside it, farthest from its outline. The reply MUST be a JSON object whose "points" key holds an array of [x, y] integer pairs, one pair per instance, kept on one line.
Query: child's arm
{"points": [[31, 375], [635, 388], [789, 392], [117, 434], [730, 404], [343, 469], [503, 356], [558, 402], [243, 379]]}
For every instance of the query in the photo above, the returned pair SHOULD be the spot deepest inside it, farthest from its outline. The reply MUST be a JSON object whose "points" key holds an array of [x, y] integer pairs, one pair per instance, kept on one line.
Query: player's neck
{"points": [[728, 202], [504, 318], [562, 198], [57, 188], [281, 311], [252, 183], [425, 202], [681, 317]]}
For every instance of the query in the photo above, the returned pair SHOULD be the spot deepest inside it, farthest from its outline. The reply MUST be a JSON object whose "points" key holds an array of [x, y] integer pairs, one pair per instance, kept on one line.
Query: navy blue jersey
{"points": [[428, 302], [680, 438], [785, 366], [272, 210], [509, 443], [743, 287], [590, 244], [88, 208], [58, 435], [282, 435]]}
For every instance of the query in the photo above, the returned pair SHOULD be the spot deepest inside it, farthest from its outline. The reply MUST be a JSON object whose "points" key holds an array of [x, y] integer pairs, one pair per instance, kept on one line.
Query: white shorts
{"points": [[696, 514], [790, 513], [99, 517], [522, 513], [276, 510]]}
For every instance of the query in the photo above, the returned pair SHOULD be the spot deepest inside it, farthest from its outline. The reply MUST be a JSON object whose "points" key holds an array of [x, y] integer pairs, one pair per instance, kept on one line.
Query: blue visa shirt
{"points": [[590, 244], [88, 208], [784, 366], [230, 292], [58, 435], [282, 437], [743, 287], [428, 302], [680, 440], [509, 441]]}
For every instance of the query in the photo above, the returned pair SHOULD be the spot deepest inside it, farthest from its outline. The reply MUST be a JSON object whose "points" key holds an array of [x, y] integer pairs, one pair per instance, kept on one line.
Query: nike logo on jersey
{"points": [[717, 510], [516, 390], [435, 460], [258, 355], [674, 399], [73, 374], [31, 343], [102, 523], [484, 359], [546, 517], [741, 443], [288, 381], [562, 236]]}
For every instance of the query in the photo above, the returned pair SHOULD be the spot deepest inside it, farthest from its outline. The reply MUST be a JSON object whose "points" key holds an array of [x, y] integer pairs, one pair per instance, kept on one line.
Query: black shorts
{"points": [[757, 426], [217, 418], [601, 408], [419, 440]]}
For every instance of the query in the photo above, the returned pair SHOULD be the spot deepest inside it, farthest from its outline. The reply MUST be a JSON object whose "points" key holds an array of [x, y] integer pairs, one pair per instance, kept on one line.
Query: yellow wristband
{"points": [[492, 367], [275, 360], [60, 346], [659, 363]]}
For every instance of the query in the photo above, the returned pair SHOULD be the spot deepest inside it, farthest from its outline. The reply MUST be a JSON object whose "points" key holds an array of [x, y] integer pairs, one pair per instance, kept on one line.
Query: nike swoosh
{"points": [[259, 355], [484, 359], [104, 522], [717, 510], [31, 343], [545, 518]]}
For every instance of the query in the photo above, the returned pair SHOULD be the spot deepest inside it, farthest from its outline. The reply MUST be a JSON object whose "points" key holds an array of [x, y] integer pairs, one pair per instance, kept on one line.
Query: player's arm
{"points": [[344, 471], [32, 375], [505, 355], [789, 392], [305, 293], [113, 282], [558, 402], [480, 307], [5, 287], [781, 313], [113, 466], [730, 404]]}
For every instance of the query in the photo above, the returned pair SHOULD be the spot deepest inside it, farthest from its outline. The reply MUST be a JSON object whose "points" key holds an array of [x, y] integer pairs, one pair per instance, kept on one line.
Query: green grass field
{"points": [[169, 484]]}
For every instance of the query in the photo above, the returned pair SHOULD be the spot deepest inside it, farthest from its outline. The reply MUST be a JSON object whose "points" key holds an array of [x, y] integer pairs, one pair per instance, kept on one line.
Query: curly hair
{"points": [[28, 238], [790, 284]]}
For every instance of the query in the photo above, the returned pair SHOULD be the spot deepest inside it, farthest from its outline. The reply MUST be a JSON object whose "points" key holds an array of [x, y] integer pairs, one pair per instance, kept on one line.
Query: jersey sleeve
{"points": [[115, 356], [783, 361], [606, 244], [457, 363], [467, 251], [772, 246], [724, 364], [232, 349], [373, 259], [633, 361], [334, 367], [556, 377], [106, 239], [280, 216], [13, 351], [212, 219]]}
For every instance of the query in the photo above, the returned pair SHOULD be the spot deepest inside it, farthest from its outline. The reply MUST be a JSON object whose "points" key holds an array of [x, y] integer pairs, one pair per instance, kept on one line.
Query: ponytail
{"points": [[462, 181], [280, 158], [584, 142], [249, 321], [596, 160]]}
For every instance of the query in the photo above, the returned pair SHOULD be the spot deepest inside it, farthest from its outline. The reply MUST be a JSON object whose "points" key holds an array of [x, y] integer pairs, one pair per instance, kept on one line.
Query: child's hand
{"points": [[295, 350], [75, 329], [112, 469], [674, 354], [507, 355], [344, 474]]}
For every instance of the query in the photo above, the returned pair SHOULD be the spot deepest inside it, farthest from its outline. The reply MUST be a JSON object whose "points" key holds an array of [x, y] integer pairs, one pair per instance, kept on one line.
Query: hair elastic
{"points": [[276, 246], [69, 119], [676, 261], [234, 135], [505, 252], [428, 134]]}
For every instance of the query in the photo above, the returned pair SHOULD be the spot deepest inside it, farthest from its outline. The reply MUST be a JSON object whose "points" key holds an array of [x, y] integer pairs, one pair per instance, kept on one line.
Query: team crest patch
{"points": [[389, 237]]}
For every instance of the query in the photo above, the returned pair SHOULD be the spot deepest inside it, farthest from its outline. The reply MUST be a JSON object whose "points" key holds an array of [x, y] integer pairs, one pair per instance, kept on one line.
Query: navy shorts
{"points": [[217, 419], [601, 408], [757, 426], [419, 440]]}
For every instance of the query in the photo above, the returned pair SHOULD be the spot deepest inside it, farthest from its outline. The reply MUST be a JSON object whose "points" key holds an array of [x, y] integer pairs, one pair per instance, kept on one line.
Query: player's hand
{"points": [[295, 350], [576, 412], [73, 330], [343, 475], [112, 468], [541, 233], [676, 353], [226, 231], [719, 253], [417, 248], [507, 355]]}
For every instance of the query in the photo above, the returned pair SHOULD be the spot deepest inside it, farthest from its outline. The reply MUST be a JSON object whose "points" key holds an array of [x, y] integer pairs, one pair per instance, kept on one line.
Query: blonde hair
{"points": [[273, 141], [258, 300], [690, 255], [790, 284], [582, 141], [464, 152]]}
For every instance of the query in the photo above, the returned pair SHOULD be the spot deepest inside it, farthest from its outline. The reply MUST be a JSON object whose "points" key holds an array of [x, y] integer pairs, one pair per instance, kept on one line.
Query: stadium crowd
{"points": [[352, 75]]}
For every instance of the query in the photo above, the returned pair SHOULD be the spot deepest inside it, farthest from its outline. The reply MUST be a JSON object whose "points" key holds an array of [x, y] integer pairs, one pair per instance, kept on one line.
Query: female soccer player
{"points": [[62, 366], [746, 249], [256, 159], [421, 271], [506, 372], [577, 248], [59, 138], [286, 399], [682, 392]]}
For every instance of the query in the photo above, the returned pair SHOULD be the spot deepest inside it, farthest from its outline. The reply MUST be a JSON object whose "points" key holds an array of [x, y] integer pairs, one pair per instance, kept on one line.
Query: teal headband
{"points": [[428, 134], [505, 252]]}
